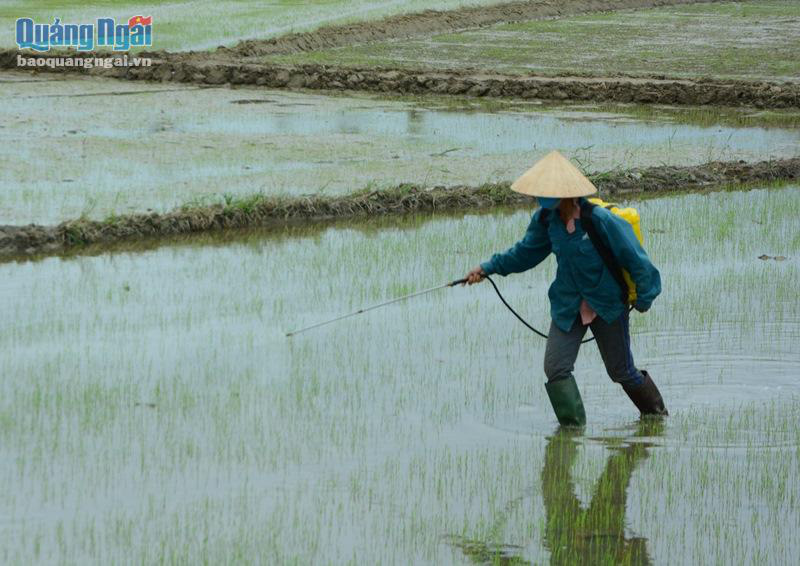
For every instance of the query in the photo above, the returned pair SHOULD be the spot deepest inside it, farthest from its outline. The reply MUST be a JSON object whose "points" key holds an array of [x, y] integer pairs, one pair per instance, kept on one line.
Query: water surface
{"points": [[152, 409], [95, 147]]}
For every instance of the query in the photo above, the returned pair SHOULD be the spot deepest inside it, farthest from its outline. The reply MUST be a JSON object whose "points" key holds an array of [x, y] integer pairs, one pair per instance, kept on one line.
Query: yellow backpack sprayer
{"points": [[631, 216]]}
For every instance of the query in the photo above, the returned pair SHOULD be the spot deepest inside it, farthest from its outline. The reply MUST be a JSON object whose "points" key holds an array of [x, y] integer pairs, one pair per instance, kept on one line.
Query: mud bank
{"points": [[205, 71], [476, 83], [435, 21], [260, 210]]}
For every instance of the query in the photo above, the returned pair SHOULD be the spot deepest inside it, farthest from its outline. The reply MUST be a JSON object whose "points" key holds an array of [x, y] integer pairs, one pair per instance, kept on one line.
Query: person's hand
{"points": [[641, 308], [475, 275]]}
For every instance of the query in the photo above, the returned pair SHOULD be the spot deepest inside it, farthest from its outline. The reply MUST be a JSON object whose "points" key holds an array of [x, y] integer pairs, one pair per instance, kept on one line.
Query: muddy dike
{"points": [[261, 210], [206, 70], [404, 26], [717, 92]]}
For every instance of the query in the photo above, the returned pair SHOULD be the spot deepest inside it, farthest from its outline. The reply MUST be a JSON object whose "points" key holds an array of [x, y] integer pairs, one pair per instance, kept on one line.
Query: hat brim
{"points": [[554, 176]]}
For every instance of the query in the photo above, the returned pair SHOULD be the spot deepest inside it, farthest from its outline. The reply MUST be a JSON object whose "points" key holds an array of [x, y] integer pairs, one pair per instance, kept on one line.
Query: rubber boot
{"points": [[646, 397], [566, 401]]}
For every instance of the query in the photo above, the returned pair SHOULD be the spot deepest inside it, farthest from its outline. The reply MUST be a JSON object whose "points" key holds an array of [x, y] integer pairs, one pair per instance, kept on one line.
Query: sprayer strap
{"points": [[603, 250]]}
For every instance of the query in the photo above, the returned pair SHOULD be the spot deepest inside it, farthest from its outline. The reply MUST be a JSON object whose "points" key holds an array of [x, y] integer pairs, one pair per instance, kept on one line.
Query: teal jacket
{"points": [[581, 273]]}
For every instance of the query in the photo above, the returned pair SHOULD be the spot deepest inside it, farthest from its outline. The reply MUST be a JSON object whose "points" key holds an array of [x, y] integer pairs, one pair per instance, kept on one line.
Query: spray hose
{"points": [[515, 313], [522, 320], [425, 292]]}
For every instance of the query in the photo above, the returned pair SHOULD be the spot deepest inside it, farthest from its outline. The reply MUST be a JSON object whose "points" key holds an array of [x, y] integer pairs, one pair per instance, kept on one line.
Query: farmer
{"points": [[585, 292]]}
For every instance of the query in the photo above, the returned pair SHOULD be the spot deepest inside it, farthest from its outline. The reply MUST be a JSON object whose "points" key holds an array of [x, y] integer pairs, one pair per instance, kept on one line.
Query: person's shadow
{"points": [[574, 534]]}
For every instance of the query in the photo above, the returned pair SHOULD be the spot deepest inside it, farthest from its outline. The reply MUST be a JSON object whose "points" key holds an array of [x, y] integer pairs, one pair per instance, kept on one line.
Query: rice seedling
{"points": [[151, 409]]}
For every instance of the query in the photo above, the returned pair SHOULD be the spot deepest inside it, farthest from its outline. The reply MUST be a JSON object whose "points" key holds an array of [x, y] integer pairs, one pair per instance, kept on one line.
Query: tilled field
{"points": [[437, 21], [246, 64], [748, 40]]}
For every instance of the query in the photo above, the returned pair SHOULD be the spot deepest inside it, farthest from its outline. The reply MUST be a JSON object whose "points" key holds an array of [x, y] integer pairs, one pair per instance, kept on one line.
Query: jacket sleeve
{"points": [[631, 256], [525, 254]]}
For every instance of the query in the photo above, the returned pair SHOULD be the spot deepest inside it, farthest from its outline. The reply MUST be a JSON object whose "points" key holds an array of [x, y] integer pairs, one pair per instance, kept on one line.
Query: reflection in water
{"points": [[415, 125], [595, 535], [573, 534]]}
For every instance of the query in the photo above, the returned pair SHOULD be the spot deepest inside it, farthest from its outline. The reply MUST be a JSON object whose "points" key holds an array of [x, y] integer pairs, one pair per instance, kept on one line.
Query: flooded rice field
{"points": [[97, 148], [153, 410], [210, 23], [734, 40]]}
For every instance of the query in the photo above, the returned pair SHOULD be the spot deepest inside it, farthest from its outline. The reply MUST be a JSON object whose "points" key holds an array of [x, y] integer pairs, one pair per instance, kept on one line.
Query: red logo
{"points": [[140, 20]]}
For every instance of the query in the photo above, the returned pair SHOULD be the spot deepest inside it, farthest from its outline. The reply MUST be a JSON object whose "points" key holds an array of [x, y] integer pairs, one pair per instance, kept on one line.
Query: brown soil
{"points": [[16, 241], [456, 82]]}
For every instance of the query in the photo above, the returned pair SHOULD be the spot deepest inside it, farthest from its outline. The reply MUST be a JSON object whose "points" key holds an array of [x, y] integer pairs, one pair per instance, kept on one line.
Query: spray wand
{"points": [[373, 307], [425, 292]]}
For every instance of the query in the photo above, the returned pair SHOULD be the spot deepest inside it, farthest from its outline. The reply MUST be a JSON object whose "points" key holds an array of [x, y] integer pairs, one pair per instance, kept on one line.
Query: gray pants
{"points": [[613, 340]]}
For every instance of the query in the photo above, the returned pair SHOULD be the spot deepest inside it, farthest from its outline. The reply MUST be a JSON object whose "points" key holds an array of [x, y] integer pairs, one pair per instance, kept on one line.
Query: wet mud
{"points": [[208, 70], [259, 210]]}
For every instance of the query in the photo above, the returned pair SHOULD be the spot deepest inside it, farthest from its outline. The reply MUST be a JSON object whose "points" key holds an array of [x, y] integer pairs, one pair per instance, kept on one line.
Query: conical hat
{"points": [[554, 176]]}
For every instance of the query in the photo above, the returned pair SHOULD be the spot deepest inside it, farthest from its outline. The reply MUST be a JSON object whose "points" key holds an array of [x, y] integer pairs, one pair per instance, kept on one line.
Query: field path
{"points": [[20, 242]]}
